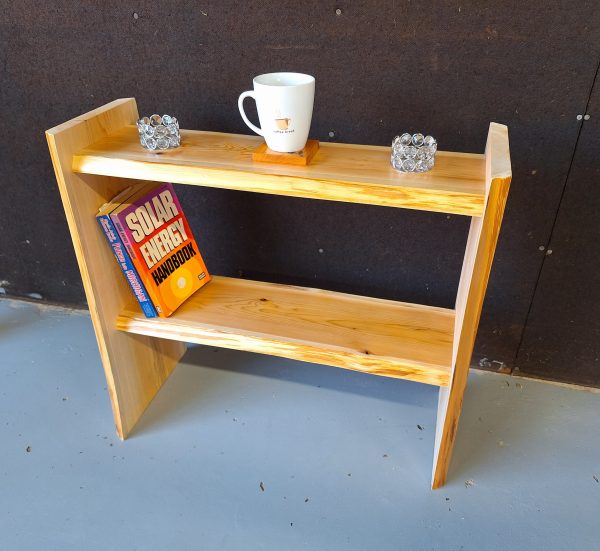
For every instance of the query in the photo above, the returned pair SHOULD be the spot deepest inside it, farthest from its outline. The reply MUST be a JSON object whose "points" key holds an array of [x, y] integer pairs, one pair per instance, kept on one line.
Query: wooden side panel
{"points": [[135, 366], [479, 254]]}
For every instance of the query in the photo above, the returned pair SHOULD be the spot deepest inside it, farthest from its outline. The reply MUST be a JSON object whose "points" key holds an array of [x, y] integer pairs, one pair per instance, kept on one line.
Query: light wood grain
{"points": [[338, 172], [481, 245], [381, 337], [92, 155], [262, 154], [135, 366]]}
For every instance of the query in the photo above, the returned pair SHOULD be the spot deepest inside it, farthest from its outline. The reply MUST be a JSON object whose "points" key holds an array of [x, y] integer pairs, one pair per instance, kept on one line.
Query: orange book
{"points": [[159, 241]]}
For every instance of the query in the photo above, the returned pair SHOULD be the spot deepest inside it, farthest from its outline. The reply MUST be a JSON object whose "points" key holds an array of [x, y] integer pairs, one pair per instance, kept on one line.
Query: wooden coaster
{"points": [[263, 154]]}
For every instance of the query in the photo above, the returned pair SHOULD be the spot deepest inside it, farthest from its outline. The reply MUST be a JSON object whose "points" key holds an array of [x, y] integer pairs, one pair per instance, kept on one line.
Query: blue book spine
{"points": [[126, 265]]}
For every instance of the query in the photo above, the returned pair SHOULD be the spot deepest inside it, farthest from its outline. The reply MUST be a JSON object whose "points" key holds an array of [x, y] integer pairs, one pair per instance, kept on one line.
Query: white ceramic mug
{"points": [[284, 102]]}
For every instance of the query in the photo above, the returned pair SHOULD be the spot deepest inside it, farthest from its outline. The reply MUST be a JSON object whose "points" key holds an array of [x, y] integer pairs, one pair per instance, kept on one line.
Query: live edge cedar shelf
{"points": [[97, 154]]}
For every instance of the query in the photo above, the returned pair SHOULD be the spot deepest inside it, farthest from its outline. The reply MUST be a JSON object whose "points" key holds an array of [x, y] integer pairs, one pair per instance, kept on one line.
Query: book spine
{"points": [[123, 235], [137, 263], [127, 267]]}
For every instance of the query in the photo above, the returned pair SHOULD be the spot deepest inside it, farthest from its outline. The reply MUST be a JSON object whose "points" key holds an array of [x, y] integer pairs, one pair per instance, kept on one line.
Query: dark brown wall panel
{"points": [[562, 337], [381, 67]]}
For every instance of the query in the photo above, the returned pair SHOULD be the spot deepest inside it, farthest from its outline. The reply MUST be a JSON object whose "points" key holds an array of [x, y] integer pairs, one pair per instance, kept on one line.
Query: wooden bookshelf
{"points": [[97, 154]]}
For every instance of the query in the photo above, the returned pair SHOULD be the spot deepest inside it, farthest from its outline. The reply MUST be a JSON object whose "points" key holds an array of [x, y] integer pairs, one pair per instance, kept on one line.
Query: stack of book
{"points": [[154, 246]]}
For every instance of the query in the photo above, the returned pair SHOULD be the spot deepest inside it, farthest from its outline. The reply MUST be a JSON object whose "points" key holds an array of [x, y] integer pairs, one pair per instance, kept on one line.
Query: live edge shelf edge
{"points": [[381, 337], [339, 172]]}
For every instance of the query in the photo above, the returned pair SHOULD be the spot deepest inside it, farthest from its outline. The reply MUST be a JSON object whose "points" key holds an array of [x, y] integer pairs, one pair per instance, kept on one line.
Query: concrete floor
{"points": [[247, 452]]}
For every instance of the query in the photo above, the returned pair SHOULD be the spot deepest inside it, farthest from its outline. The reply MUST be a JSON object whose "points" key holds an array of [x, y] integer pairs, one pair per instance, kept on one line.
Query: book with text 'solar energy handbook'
{"points": [[158, 239]]}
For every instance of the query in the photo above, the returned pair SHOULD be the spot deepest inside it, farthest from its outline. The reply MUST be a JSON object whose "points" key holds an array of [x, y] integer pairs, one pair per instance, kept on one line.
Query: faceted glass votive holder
{"points": [[413, 153], [159, 133]]}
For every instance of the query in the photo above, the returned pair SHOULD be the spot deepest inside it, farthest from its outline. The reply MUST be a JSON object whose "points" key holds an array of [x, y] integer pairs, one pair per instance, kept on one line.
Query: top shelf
{"points": [[338, 172]]}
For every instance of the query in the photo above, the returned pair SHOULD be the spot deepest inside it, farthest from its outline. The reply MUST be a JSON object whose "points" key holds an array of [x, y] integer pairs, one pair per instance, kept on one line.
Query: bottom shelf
{"points": [[381, 337]]}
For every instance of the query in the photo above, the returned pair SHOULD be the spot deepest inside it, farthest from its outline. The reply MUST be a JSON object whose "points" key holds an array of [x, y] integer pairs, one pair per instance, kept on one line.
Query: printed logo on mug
{"points": [[284, 102]]}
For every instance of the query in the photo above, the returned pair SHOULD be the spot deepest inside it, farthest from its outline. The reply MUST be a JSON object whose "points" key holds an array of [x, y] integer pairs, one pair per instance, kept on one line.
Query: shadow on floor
{"points": [[503, 416], [16, 317], [190, 389]]}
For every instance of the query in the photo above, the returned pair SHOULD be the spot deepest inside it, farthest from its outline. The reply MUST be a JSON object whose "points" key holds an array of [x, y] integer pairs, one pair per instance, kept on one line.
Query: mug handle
{"points": [[243, 96]]}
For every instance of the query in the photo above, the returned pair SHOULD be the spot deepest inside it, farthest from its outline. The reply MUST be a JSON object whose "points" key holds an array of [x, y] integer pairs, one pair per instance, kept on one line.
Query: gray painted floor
{"points": [[344, 458]]}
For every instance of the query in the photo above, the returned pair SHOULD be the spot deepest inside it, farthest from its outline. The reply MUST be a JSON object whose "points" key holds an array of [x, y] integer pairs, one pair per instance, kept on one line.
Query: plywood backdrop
{"points": [[381, 68]]}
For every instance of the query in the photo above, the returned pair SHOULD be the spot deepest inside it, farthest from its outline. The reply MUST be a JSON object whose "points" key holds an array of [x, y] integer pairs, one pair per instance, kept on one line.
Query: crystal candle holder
{"points": [[413, 153], [159, 133]]}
